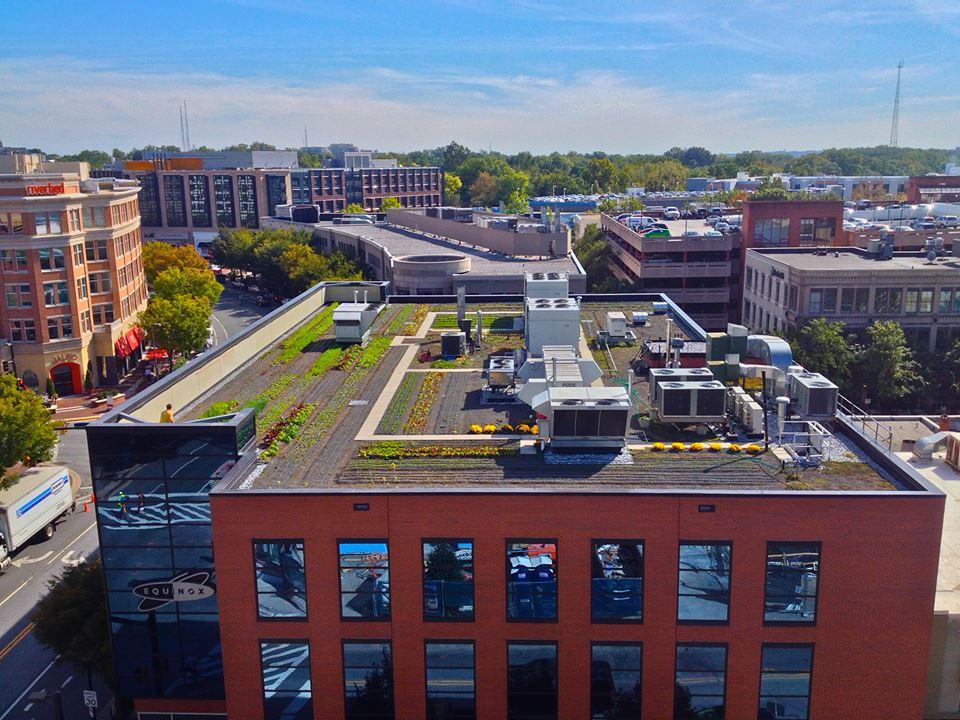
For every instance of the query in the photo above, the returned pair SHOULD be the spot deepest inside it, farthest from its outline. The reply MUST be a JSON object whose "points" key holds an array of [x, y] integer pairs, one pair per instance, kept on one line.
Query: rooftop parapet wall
{"points": [[503, 241]]}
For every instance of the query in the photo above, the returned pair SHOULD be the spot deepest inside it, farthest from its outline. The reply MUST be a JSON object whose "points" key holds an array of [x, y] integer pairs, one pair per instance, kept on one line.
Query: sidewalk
{"points": [[84, 408]]}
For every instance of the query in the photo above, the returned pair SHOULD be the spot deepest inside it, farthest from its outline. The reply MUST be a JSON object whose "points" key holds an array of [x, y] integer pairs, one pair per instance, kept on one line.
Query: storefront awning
{"points": [[129, 341]]}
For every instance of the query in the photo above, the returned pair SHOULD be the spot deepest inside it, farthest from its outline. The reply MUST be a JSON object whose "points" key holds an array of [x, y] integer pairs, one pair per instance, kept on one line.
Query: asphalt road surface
{"points": [[233, 312]]}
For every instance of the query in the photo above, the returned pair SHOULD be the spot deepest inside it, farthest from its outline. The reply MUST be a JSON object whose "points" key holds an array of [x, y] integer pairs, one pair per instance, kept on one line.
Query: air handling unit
{"points": [[691, 402], [813, 395], [550, 321], [546, 285], [583, 417], [662, 375]]}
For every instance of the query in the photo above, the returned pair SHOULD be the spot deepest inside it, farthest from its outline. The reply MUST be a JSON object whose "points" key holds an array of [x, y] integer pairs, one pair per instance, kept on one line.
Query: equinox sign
{"points": [[185, 587]]}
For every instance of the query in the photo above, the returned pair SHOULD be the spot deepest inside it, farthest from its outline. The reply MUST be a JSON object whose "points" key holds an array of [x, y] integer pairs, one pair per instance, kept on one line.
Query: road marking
{"points": [[66, 681], [67, 546], [29, 688], [16, 641], [222, 327], [26, 708], [20, 562], [69, 561]]}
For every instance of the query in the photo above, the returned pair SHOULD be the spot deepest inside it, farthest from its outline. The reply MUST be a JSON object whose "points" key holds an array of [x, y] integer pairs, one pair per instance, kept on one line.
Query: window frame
{"points": [[343, 667], [679, 621], [620, 541], [292, 618], [624, 643], [816, 595], [284, 641], [809, 645], [473, 582], [340, 591], [22, 290], [506, 579], [426, 668], [726, 668], [506, 684]]}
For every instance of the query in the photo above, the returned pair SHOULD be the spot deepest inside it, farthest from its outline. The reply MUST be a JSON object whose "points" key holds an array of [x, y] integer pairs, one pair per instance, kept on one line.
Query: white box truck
{"points": [[33, 505]]}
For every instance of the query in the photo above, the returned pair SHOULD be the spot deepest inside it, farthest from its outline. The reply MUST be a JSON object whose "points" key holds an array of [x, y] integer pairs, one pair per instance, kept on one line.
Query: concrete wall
{"points": [[943, 677], [510, 243], [191, 381]]}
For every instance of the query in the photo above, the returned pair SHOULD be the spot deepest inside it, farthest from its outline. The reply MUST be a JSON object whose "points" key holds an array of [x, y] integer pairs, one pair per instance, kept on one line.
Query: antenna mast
{"points": [[186, 126], [305, 143], [895, 125], [183, 135]]}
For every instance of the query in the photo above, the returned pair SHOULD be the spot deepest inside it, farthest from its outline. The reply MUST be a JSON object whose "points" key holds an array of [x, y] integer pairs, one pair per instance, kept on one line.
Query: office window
{"points": [[247, 201], [55, 293], [93, 217], [47, 223], [223, 199], [945, 301], [59, 327], [77, 251], [451, 694], [73, 220], [368, 680], [854, 300], [11, 224], [82, 288], [103, 314], [704, 582], [771, 232], [173, 201], [829, 301], [13, 260], [276, 192], [280, 574], [531, 681], [448, 579], [806, 232], [615, 680], [749, 278], [287, 691], [23, 331], [616, 580], [364, 579], [926, 300], [888, 300], [99, 282], [793, 296], [150, 200], [19, 296], [51, 259], [199, 200], [532, 580], [700, 682], [815, 303], [790, 594], [86, 324], [785, 682]]}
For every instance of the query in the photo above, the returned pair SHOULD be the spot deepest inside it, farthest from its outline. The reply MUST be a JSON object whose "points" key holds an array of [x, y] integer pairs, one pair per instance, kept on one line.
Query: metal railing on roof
{"points": [[871, 428]]}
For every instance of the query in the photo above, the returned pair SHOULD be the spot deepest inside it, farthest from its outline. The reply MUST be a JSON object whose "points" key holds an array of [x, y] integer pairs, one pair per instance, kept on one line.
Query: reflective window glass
{"points": [[287, 692], [785, 682], [704, 582], [450, 681], [531, 681], [368, 680], [790, 593], [617, 580], [615, 679], [532, 580], [364, 579], [448, 579], [279, 572], [700, 682]]}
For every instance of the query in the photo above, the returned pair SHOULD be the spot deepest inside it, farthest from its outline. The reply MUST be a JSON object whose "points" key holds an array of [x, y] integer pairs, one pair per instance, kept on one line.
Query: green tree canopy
{"points": [[160, 256], [822, 346], [451, 188], [178, 325], [174, 282], [71, 619], [485, 190], [771, 190], [886, 367], [234, 249], [516, 203], [353, 208], [27, 434], [389, 202]]}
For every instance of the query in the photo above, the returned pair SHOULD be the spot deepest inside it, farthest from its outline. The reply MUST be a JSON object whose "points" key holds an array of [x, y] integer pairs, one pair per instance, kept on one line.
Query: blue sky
{"points": [[530, 74]]}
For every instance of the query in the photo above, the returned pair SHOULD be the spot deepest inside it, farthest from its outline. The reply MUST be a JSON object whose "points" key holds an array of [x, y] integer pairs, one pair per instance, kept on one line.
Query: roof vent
{"points": [[570, 402]]}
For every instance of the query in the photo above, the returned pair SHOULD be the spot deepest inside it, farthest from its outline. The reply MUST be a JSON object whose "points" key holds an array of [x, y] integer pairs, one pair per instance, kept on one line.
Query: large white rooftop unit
{"points": [[691, 402], [546, 285], [813, 395], [550, 321], [352, 321], [660, 375], [587, 417], [615, 323]]}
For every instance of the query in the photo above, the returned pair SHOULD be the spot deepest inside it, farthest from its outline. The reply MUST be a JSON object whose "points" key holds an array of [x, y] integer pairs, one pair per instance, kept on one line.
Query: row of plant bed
{"points": [[414, 323], [490, 322], [392, 419], [417, 420], [397, 450], [297, 342], [285, 430]]}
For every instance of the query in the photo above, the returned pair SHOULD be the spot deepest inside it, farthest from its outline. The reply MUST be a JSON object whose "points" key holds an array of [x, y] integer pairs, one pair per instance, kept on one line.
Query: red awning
{"points": [[132, 340], [122, 347], [156, 354], [140, 333]]}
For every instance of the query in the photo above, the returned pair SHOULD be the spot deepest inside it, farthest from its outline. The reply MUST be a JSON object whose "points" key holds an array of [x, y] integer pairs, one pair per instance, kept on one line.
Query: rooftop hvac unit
{"points": [[615, 323], [586, 416], [551, 321], [660, 375], [751, 415], [660, 308], [453, 344], [692, 402], [813, 395], [546, 285], [501, 372], [640, 317]]}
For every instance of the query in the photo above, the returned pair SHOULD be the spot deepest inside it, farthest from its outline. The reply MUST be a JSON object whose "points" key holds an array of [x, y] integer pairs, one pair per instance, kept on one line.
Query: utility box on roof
{"points": [[550, 321], [546, 285], [352, 322], [615, 323]]}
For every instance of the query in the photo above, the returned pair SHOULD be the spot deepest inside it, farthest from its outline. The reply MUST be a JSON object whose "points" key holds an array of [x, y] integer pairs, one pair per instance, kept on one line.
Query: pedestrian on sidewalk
{"points": [[167, 415]]}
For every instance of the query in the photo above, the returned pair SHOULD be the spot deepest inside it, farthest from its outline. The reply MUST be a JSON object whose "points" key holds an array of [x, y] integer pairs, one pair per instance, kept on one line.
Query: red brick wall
{"points": [[792, 209], [878, 574]]}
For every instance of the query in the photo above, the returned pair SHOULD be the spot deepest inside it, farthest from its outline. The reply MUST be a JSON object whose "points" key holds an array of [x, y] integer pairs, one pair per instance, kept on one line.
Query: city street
{"points": [[25, 666]]}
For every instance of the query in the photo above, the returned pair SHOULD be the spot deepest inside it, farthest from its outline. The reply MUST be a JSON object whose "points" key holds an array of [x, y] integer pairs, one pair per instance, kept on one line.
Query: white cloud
{"points": [[83, 104]]}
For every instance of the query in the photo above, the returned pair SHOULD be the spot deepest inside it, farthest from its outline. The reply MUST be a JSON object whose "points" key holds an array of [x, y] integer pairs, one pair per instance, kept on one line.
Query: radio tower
{"points": [[895, 125]]}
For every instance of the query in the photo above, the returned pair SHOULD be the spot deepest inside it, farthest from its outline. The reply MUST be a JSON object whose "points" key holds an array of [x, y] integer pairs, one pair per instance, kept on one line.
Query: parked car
{"points": [[722, 226], [654, 232], [948, 221], [712, 233], [671, 213], [264, 300], [690, 234], [927, 223]]}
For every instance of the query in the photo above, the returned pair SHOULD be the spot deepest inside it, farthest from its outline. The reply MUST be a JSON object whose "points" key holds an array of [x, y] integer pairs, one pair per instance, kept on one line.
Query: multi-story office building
{"points": [[933, 189], [700, 273], [784, 287], [72, 277], [333, 188], [474, 576]]}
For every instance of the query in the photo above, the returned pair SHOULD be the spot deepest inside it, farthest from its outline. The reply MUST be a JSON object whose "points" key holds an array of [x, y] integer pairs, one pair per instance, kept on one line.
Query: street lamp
{"points": [[42, 696]]}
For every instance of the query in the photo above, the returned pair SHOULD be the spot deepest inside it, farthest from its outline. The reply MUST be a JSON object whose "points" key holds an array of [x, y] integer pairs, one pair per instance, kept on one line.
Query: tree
{"points": [[484, 190], [665, 175], [512, 181], [159, 256], [178, 324], [603, 174], [174, 282], [28, 436], [885, 367], [822, 346], [723, 169], [234, 249], [71, 619], [516, 203], [353, 208], [451, 188], [442, 564], [696, 157], [388, 203], [453, 155], [771, 190]]}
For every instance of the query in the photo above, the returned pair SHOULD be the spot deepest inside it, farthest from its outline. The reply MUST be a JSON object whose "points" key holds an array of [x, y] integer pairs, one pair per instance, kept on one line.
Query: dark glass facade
{"points": [[276, 193], [247, 201], [149, 201], [173, 201], [223, 198], [153, 517], [199, 201]]}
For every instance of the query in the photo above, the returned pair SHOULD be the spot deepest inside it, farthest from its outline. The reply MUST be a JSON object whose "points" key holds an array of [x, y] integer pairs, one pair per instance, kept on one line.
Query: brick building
{"points": [[333, 188], [921, 189], [72, 277]]}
